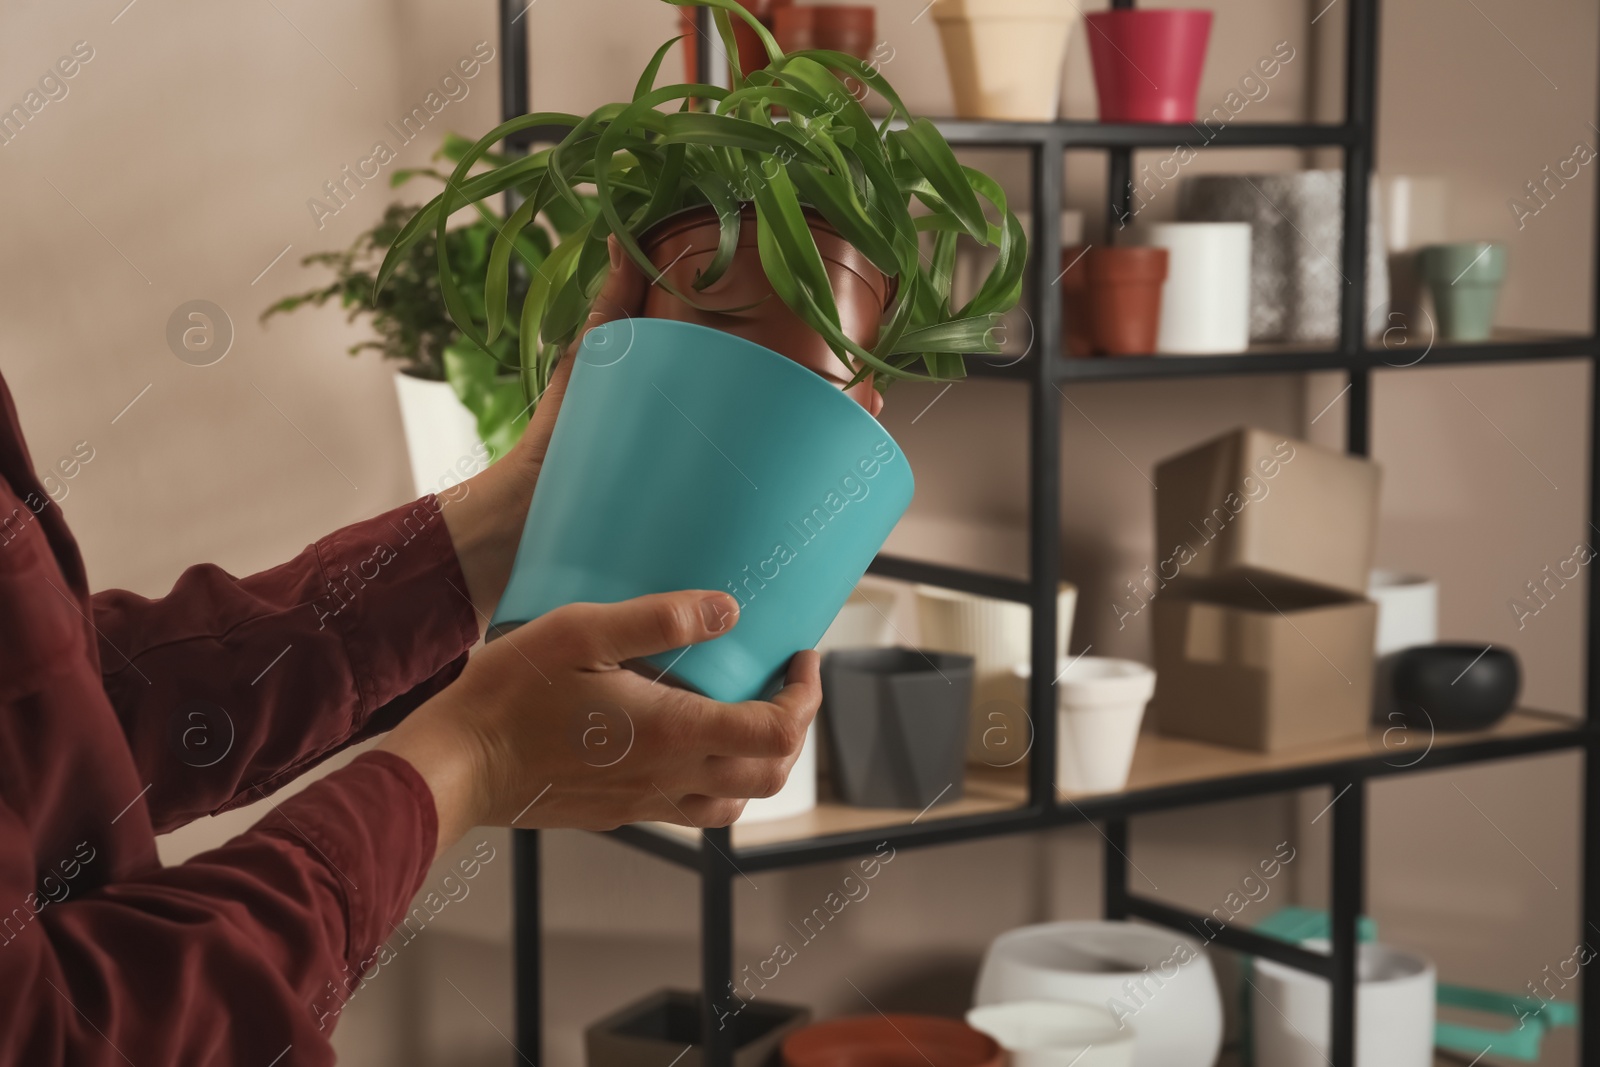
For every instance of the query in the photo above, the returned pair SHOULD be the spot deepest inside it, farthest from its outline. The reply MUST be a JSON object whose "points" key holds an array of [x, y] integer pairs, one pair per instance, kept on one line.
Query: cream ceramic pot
{"points": [[1005, 57], [997, 634]]}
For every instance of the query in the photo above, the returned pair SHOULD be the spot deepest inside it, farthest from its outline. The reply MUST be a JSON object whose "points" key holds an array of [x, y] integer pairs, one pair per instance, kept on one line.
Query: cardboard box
{"points": [[664, 1028], [1258, 506], [1264, 675]]}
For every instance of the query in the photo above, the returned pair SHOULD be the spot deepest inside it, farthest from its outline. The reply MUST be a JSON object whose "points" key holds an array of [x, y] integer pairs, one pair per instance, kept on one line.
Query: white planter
{"points": [[998, 635], [441, 435], [865, 621], [1394, 1012], [799, 793], [1408, 610], [1205, 301], [1100, 705], [1005, 56], [1157, 982], [1042, 1033]]}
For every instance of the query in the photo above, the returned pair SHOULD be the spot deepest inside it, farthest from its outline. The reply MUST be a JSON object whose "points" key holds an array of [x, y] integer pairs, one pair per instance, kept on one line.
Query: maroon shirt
{"points": [[121, 717]]}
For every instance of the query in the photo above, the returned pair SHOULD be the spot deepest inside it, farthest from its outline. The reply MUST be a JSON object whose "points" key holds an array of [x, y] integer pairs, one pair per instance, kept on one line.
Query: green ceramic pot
{"points": [[1465, 281]]}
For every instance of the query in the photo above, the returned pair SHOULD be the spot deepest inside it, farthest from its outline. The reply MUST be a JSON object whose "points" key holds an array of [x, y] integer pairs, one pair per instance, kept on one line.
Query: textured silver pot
{"points": [[1296, 222]]}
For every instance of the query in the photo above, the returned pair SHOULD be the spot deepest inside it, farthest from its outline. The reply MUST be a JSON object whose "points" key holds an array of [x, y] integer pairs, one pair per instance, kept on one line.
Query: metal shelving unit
{"points": [[1031, 804]]}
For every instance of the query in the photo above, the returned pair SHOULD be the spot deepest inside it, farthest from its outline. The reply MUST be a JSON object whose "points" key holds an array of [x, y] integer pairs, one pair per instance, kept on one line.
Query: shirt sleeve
{"points": [[229, 687], [236, 956]]}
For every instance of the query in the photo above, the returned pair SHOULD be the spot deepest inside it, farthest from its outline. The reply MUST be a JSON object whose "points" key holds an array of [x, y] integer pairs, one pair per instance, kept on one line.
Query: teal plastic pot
{"points": [[688, 458], [1465, 281]]}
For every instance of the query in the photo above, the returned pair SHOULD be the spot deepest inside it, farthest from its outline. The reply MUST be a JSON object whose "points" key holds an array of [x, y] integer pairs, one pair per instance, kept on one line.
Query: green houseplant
{"points": [[686, 457], [413, 326], [787, 148]]}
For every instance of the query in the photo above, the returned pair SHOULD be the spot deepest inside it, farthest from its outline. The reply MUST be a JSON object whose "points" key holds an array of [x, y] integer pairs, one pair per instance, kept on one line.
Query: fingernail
{"points": [[615, 251], [719, 612]]}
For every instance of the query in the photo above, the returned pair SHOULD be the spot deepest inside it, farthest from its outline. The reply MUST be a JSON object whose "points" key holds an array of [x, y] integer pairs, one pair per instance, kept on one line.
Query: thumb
{"points": [[614, 633], [621, 297]]}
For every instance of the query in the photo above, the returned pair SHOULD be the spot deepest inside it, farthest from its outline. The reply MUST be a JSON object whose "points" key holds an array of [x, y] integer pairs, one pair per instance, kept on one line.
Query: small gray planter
{"points": [[897, 725]]}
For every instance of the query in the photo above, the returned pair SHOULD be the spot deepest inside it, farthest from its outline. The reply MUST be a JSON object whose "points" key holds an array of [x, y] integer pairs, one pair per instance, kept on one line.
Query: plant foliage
{"points": [[784, 138], [408, 313]]}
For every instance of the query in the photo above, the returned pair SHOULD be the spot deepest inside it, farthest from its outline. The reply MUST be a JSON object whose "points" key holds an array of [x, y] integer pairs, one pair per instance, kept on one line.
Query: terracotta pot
{"points": [[891, 1041], [1075, 304], [683, 245], [838, 28], [1125, 298]]}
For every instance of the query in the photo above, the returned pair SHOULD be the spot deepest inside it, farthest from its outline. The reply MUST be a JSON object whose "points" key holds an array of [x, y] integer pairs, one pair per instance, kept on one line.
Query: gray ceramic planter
{"points": [[897, 725], [664, 1028]]}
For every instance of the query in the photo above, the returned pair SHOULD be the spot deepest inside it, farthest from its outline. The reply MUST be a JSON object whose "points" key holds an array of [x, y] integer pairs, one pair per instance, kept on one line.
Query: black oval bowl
{"points": [[1460, 687]]}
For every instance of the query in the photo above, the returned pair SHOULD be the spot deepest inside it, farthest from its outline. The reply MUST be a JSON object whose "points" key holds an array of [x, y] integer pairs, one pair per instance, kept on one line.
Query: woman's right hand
{"points": [[548, 727]]}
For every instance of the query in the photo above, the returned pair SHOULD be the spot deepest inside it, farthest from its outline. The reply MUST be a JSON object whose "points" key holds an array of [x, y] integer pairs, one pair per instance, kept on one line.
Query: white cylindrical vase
{"points": [[1408, 610], [1205, 301], [441, 434], [799, 793], [1394, 1011]]}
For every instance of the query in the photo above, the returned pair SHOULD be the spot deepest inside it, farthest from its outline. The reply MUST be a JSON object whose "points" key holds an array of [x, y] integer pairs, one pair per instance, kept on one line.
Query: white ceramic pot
{"points": [[997, 634], [799, 793], [1158, 983], [1205, 301], [1394, 1012], [1408, 610], [441, 434], [1005, 56], [1100, 705], [1042, 1033]]}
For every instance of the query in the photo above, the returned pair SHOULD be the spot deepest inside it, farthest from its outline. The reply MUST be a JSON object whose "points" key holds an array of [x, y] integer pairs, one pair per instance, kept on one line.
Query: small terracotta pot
{"points": [[891, 1041], [1125, 298], [838, 28], [683, 245], [1075, 304]]}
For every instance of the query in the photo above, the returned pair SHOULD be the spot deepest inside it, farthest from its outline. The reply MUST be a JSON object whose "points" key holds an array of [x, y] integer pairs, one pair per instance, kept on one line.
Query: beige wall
{"points": [[190, 144]]}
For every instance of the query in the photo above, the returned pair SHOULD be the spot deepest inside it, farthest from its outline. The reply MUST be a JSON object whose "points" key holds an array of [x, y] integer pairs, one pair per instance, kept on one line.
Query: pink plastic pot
{"points": [[1147, 63]]}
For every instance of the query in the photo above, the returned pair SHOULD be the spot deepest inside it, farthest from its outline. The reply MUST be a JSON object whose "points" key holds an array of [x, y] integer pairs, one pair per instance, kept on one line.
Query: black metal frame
{"points": [[715, 857]]}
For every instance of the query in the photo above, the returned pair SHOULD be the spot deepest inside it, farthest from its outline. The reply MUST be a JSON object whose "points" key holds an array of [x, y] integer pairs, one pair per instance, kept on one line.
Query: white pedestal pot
{"points": [[1005, 56], [441, 434], [1156, 982], [1394, 1011], [1100, 705], [1205, 301]]}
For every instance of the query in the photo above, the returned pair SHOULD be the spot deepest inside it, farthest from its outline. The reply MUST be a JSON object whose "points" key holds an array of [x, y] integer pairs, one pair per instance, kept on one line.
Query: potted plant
{"points": [[460, 403], [775, 212]]}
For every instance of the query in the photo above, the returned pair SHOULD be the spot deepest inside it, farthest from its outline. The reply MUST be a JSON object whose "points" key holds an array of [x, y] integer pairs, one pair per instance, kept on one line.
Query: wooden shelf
{"points": [[1161, 764]]}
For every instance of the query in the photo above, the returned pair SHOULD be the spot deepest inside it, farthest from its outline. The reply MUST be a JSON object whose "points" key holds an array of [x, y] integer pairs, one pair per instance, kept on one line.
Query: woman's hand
{"points": [[546, 727], [485, 514]]}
